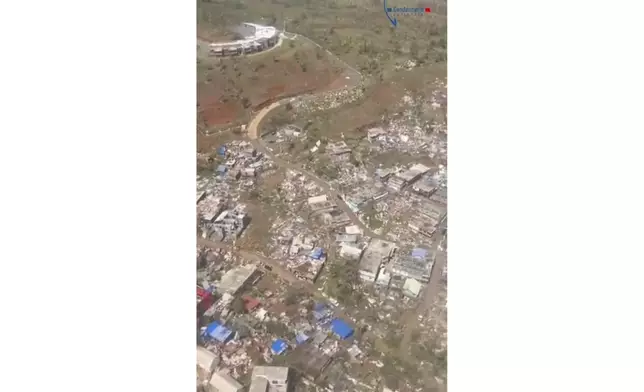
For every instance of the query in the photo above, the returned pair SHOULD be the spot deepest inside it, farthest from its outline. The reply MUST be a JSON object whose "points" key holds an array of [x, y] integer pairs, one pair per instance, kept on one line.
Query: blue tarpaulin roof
{"points": [[211, 328], [419, 253], [278, 346], [342, 329], [301, 338], [218, 332], [221, 334], [317, 253], [221, 150]]}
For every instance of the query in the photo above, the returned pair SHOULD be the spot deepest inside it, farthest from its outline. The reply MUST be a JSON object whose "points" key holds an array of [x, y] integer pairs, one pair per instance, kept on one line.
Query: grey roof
{"points": [[259, 384]]}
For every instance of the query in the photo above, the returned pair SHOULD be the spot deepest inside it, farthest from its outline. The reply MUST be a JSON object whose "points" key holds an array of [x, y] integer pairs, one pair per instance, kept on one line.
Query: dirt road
{"points": [[276, 266]]}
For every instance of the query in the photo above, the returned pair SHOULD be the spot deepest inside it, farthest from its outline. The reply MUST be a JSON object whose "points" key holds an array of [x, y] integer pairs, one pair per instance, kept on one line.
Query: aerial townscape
{"points": [[321, 197]]}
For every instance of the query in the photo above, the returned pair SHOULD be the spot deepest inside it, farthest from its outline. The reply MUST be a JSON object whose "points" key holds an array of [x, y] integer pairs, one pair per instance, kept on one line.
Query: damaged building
{"points": [[401, 180], [415, 265], [229, 224]]}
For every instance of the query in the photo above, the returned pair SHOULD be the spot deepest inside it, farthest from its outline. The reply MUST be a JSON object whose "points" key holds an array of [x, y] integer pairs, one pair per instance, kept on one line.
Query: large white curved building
{"points": [[256, 39]]}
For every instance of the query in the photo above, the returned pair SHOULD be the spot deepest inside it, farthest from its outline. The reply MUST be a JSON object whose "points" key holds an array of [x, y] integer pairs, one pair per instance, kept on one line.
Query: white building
{"points": [[412, 288], [350, 252], [207, 361], [223, 382], [255, 38], [269, 379], [235, 279]]}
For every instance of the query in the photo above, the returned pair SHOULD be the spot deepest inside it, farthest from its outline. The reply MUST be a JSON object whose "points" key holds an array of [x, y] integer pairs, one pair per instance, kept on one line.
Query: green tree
{"points": [[237, 305]]}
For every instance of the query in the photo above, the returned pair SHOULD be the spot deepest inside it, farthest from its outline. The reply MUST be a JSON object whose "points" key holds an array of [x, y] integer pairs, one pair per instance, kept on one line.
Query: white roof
{"points": [[206, 359], [271, 373], [419, 167], [317, 199], [413, 286], [223, 382], [353, 229], [261, 33], [350, 251], [235, 278]]}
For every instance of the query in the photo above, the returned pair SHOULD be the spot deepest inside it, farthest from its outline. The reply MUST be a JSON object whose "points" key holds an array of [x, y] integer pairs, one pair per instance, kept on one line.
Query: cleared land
{"points": [[229, 88]]}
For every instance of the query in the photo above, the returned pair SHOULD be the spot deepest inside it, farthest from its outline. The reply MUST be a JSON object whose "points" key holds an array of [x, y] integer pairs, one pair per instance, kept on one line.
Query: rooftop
{"points": [[235, 278], [223, 382], [376, 252], [271, 372]]}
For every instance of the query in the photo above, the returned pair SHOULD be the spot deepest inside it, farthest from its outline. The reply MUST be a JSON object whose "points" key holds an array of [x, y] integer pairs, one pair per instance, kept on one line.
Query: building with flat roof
{"points": [[207, 361], [412, 288], [275, 377], [224, 382], [234, 279], [415, 265], [377, 252]]}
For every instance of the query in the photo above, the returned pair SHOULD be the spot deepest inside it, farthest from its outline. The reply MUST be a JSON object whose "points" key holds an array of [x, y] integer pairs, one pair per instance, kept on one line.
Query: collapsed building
{"points": [[229, 224], [401, 180]]}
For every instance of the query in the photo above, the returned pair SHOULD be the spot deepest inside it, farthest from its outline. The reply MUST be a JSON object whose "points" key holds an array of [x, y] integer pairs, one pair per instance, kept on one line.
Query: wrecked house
{"points": [[229, 224], [338, 150], [336, 218], [401, 180], [375, 133], [209, 207], [321, 205], [310, 361]]}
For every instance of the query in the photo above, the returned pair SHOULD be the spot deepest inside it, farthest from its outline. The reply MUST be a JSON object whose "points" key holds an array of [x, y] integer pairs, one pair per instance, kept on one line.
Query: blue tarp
{"points": [[419, 253], [278, 346], [218, 332], [301, 338], [317, 253], [210, 329], [342, 329], [221, 150], [222, 334]]}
